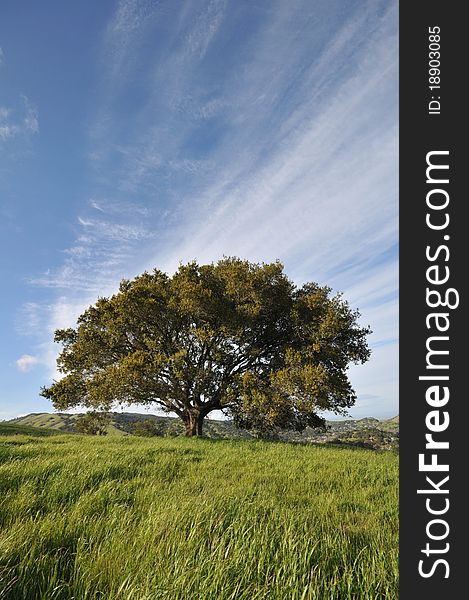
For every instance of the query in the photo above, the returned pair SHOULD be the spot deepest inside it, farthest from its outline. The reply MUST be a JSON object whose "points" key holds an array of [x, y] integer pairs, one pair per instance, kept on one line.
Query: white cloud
{"points": [[119, 207], [98, 256], [19, 122], [7, 131], [123, 37], [29, 319], [26, 362], [40, 321], [30, 120], [312, 200], [204, 28]]}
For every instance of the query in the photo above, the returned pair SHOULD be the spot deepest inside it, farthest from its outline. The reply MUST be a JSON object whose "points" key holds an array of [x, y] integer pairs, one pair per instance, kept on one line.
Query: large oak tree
{"points": [[232, 336]]}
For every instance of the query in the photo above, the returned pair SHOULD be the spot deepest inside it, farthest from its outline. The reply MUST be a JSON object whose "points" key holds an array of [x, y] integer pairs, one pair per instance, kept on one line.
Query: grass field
{"points": [[158, 518]]}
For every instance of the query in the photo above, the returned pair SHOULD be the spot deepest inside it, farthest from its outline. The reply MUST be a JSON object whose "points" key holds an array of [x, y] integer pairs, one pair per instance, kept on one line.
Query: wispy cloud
{"points": [[119, 207], [26, 362], [17, 122], [7, 128], [29, 321], [107, 230], [205, 27], [308, 190], [39, 321], [123, 33], [30, 119], [98, 256]]}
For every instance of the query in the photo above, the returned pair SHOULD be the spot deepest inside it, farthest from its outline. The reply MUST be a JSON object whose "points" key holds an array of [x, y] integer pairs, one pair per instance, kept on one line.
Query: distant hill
{"points": [[122, 424], [60, 422], [368, 432], [16, 429]]}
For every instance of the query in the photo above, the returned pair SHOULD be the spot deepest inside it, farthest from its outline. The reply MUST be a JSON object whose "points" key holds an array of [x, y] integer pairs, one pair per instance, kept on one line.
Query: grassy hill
{"points": [[390, 424], [58, 422], [17, 429], [129, 518], [122, 424], [367, 432]]}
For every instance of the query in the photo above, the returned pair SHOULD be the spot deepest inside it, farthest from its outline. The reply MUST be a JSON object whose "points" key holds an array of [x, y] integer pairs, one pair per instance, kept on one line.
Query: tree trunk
{"points": [[193, 422]]}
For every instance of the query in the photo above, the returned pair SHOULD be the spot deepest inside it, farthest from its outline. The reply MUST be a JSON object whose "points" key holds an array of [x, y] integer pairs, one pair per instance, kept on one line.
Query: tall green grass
{"points": [[143, 519]]}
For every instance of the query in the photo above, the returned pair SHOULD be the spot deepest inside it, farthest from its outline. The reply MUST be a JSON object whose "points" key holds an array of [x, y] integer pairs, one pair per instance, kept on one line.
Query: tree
{"points": [[174, 428], [233, 336], [92, 423], [147, 428]]}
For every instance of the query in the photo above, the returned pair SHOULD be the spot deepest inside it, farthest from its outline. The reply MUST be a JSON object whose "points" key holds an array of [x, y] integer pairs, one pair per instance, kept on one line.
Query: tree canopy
{"points": [[92, 423], [147, 428], [234, 336]]}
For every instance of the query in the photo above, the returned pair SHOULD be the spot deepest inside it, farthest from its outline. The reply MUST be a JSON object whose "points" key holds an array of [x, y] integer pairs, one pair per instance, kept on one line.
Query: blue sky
{"points": [[140, 133]]}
